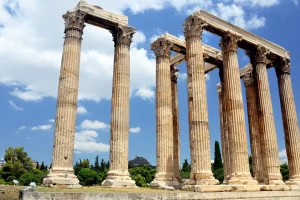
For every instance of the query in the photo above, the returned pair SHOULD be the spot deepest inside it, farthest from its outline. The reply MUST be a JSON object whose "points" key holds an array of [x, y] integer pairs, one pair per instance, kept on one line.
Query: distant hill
{"points": [[138, 161]]}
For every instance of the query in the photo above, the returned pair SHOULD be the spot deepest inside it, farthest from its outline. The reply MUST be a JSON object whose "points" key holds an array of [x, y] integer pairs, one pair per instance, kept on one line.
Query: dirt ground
{"points": [[12, 192]]}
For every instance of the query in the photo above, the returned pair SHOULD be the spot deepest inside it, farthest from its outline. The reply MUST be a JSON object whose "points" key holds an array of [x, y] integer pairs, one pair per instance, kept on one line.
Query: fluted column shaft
{"points": [[120, 102], [290, 120], [198, 119], [269, 144], [253, 121], [176, 133], [239, 165], [224, 135], [164, 118], [66, 107]]}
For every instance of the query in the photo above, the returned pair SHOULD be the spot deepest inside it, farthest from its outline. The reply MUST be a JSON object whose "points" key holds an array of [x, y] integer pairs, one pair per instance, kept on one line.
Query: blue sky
{"points": [[31, 41]]}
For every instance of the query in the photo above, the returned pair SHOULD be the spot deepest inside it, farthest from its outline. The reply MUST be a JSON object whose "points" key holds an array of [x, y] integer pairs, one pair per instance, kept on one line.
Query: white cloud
{"points": [[85, 141], [283, 156], [88, 124], [38, 47], [22, 128], [42, 127], [259, 3], [135, 130], [14, 105], [183, 76], [51, 120], [296, 2], [81, 110]]}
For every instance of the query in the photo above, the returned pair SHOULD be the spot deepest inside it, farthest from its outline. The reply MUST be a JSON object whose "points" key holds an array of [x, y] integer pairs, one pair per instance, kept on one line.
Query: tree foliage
{"points": [[218, 158]]}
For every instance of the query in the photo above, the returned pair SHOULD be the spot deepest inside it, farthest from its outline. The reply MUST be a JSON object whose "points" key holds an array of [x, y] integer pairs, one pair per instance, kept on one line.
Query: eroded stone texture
{"points": [[253, 121], [269, 144], [164, 119], [176, 133], [290, 120], [198, 115], [118, 175], [239, 165], [62, 156], [224, 137]]}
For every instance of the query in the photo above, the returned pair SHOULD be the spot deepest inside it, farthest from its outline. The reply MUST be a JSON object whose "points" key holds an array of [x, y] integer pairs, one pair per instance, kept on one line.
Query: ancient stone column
{"points": [[64, 137], [118, 175], [201, 173], [164, 119], [253, 121], [258, 58], [240, 173], [224, 128], [290, 120], [224, 135], [176, 133]]}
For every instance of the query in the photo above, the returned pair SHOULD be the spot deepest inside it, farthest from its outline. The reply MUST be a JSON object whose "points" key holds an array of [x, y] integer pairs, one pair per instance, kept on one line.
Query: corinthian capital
{"points": [[123, 35], [229, 41], [162, 47], [248, 78], [192, 26], [257, 55], [174, 74], [75, 20], [283, 66]]}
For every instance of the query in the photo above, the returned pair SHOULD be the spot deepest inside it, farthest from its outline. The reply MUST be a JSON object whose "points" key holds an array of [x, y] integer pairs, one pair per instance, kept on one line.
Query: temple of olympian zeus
{"points": [[200, 59]]}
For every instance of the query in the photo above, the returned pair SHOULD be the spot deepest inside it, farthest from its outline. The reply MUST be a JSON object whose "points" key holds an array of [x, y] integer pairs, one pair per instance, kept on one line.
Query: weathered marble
{"points": [[118, 175]]}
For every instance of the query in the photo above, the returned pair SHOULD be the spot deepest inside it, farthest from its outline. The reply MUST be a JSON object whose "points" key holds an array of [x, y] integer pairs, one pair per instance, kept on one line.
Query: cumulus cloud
{"points": [[135, 130], [85, 141], [81, 110], [38, 47], [89, 124], [14, 105], [283, 156], [42, 127]]}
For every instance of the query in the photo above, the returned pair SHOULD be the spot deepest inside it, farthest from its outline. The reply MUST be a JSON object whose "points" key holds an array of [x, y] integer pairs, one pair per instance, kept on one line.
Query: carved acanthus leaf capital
{"points": [[192, 26], [174, 73], [229, 41], [283, 66], [162, 47], [75, 20], [257, 55], [123, 35], [248, 78]]}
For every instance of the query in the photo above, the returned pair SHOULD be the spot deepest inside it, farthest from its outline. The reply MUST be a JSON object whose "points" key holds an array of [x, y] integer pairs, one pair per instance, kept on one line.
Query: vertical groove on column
{"points": [[198, 113], [236, 124], [176, 131], [267, 126], [290, 121], [253, 121]]}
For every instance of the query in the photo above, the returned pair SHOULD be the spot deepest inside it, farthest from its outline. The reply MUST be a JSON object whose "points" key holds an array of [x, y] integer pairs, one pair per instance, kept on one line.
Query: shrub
{"points": [[87, 177], [219, 174], [34, 175], [2, 182], [139, 180]]}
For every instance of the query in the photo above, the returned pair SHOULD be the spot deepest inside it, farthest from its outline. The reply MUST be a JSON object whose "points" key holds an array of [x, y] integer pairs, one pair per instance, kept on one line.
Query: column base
{"points": [[207, 188], [118, 179], [293, 183], [162, 183], [62, 177], [241, 179]]}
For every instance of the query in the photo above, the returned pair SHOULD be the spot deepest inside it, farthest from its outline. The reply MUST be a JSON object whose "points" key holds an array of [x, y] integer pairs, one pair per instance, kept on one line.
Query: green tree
{"points": [[218, 158], [42, 167], [145, 171], [102, 165], [35, 175], [87, 177], [97, 166], [13, 155], [284, 169], [37, 165], [139, 180], [185, 170]]}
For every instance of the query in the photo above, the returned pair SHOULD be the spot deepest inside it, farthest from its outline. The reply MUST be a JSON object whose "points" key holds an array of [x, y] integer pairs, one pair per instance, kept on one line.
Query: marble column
{"points": [[240, 173], [290, 120], [164, 119], [176, 133], [258, 58], [64, 137], [201, 173], [224, 135], [253, 121], [118, 175]]}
